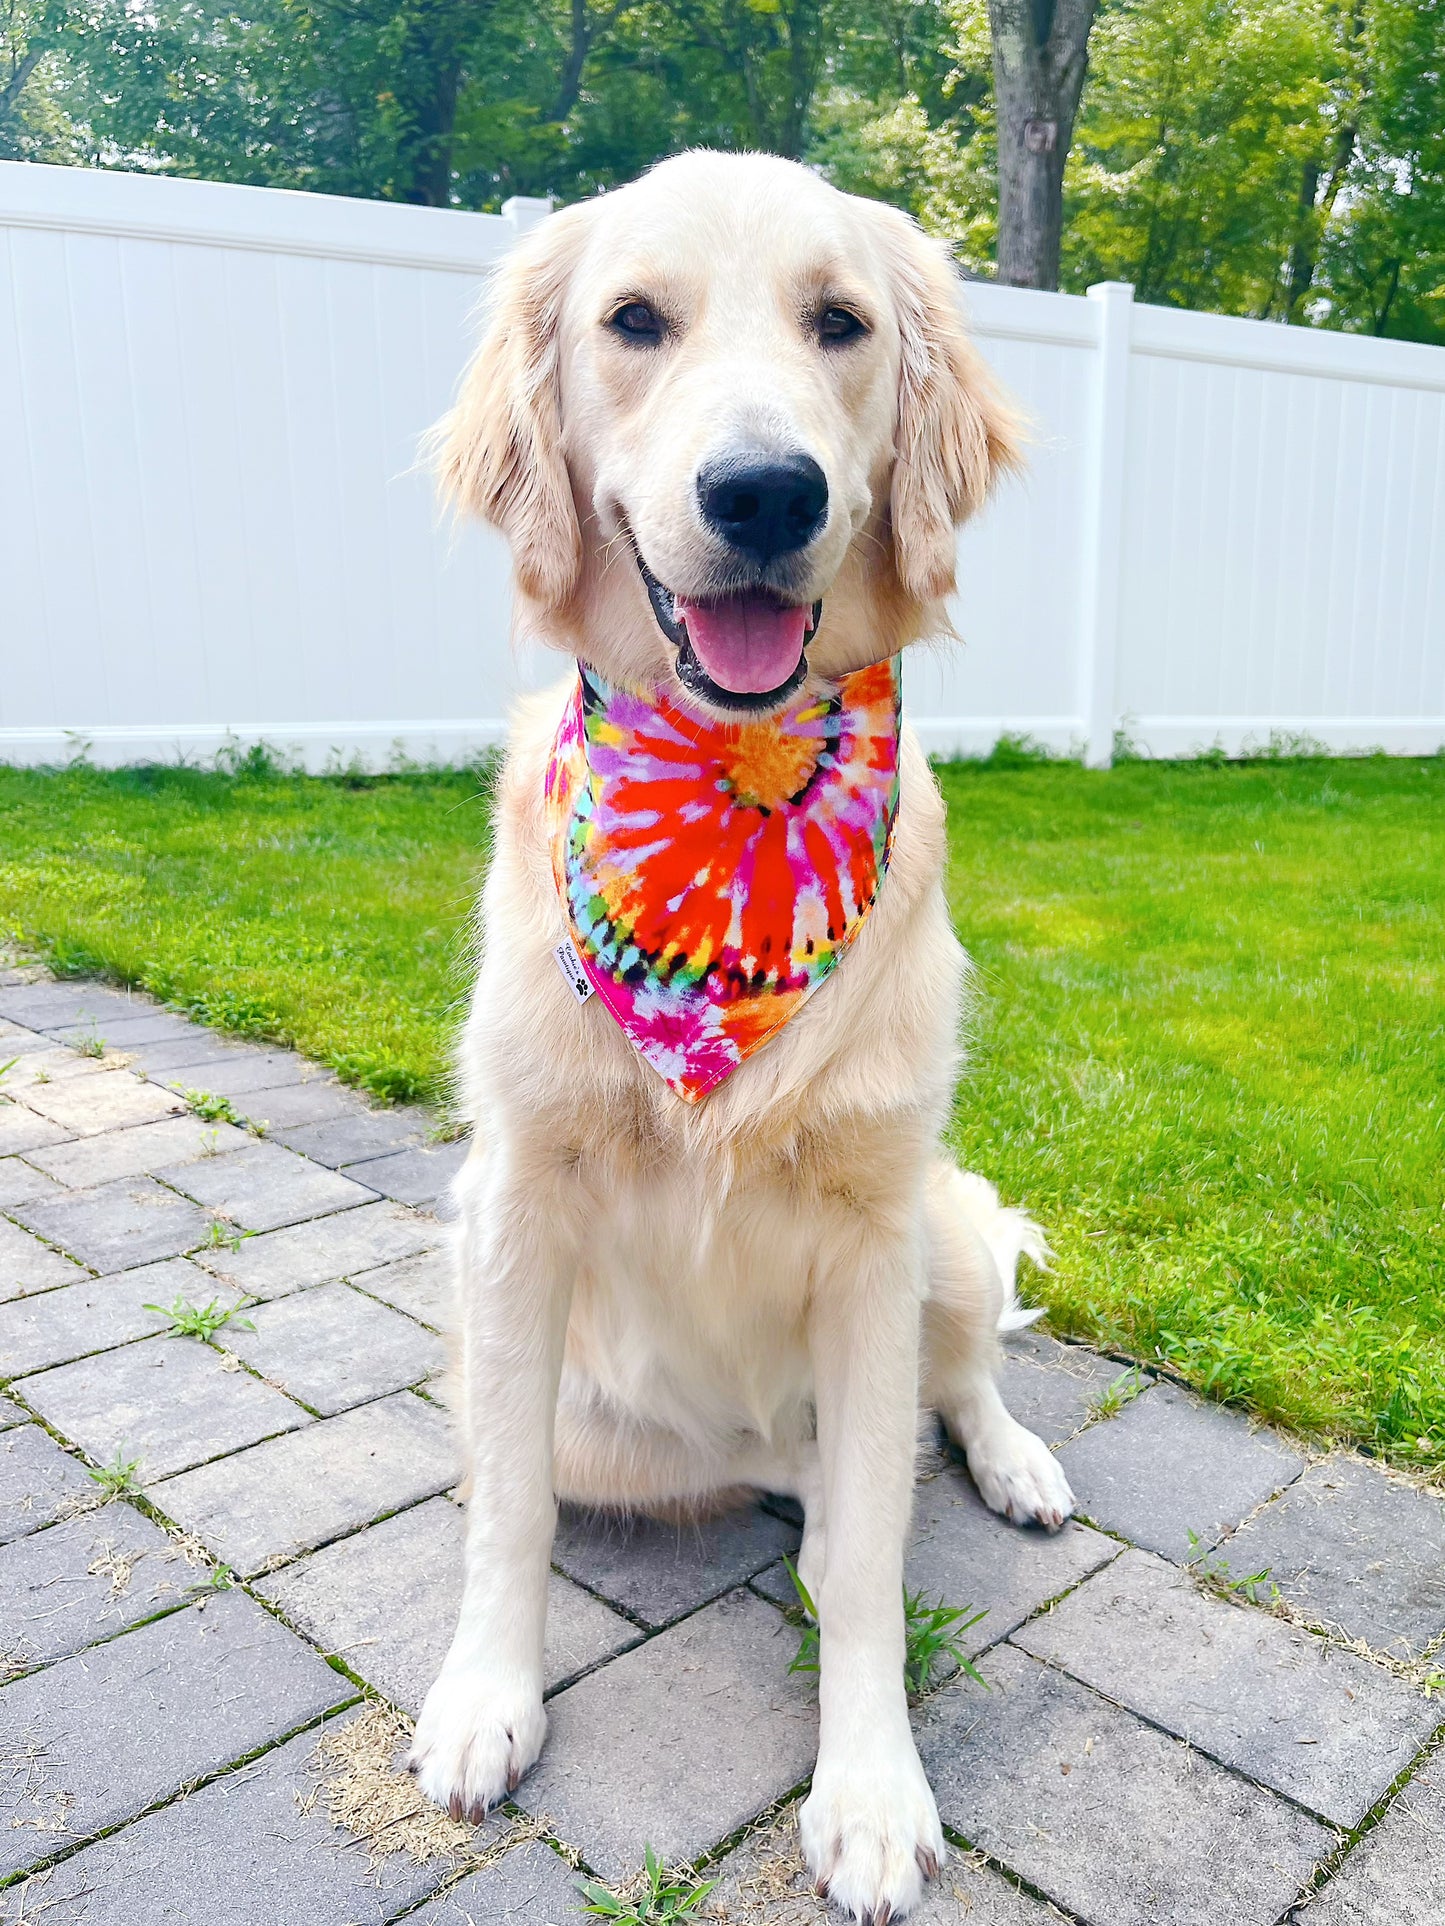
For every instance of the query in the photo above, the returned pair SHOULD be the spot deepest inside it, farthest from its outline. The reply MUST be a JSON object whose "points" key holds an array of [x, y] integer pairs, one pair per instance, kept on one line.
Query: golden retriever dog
{"points": [[729, 420]]}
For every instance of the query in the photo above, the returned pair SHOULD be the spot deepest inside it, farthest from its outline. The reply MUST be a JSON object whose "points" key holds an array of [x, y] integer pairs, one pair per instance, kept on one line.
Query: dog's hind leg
{"points": [[974, 1247]]}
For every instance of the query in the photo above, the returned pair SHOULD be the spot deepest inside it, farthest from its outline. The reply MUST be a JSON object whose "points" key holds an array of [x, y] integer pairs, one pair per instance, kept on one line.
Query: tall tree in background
{"points": [[1202, 119], [1382, 255], [1040, 57], [36, 122], [1278, 158]]}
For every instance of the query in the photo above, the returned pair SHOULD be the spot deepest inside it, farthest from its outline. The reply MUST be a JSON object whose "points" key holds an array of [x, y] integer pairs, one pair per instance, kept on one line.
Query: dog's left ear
{"points": [[499, 451], [955, 432]]}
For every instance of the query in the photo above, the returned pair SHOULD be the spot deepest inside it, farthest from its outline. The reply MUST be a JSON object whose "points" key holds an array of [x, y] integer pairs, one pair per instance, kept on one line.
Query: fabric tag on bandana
{"points": [[570, 964]]}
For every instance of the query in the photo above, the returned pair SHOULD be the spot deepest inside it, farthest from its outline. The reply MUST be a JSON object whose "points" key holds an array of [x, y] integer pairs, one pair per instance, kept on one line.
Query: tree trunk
{"points": [[15, 85], [1040, 54]]}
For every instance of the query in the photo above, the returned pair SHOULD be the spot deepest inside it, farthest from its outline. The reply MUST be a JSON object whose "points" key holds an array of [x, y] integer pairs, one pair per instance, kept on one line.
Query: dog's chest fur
{"points": [[703, 1223]]}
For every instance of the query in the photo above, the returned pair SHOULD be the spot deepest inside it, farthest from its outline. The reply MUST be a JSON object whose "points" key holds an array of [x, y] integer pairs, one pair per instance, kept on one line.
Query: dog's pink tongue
{"points": [[747, 644]]}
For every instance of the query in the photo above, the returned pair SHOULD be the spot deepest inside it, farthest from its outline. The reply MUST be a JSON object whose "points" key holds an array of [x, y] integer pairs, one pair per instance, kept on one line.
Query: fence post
{"points": [[1104, 522], [525, 210]]}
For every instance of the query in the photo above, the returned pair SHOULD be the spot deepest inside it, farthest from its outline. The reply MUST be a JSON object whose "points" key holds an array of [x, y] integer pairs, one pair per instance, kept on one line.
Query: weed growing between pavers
{"points": [[932, 1635], [215, 1109], [1214, 1575], [1121, 1391], [1207, 1052], [118, 1479], [655, 1897], [203, 1320]]}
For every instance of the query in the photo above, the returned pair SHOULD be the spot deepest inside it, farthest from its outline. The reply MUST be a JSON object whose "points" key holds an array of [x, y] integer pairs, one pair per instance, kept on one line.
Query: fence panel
{"points": [[211, 523]]}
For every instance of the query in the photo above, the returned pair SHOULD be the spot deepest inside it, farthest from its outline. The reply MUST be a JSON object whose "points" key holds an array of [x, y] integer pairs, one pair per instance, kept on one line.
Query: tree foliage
{"points": [[1282, 158]]}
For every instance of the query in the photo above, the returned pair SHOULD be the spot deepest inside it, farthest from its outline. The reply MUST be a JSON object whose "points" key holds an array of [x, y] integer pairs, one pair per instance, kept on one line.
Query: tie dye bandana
{"points": [[714, 873]]}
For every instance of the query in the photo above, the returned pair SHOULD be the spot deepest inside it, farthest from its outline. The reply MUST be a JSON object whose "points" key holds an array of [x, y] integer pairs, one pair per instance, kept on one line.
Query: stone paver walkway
{"points": [[1159, 1741]]}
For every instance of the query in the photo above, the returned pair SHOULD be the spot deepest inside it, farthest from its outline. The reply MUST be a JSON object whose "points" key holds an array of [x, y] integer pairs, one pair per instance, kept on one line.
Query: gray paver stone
{"points": [[386, 1599], [136, 1152], [253, 1848], [46, 1004], [38, 1481], [27, 1265], [531, 1884], [11, 1413], [349, 1140], [168, 1402], [293, 1493], [315, 1253], [111, 1099], [96, 1314], [181, 1062], [133, 1221], [38, 1071], [21, 1181], [1395, 1876], [298, 1103], [82, 1580], [413, 1176], [660, 1571], [966, 1554], [1169, 1464], [17, 1041], [1109, 1817], [264, 1187], [763, 1882], [22, 1129], [246, 1074], [678, 1742], [423, 1286], [332, 1348], [100, 1736], [146, 1025], [1329, 1729], [1052, 1387], [1355, 1548]]}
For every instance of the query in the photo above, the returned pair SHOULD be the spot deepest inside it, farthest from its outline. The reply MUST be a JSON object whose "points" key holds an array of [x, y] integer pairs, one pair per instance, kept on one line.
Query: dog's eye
{"points": [[839, 324], [638, 321]]}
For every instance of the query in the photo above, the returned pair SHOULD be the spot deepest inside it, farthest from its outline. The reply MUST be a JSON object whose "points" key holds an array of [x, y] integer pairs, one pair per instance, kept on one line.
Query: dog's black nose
{"points": [[764, 506]]}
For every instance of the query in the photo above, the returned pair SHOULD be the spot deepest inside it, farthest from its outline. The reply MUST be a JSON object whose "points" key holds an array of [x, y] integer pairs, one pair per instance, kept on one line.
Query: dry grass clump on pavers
{"points": [[366, 1793]]}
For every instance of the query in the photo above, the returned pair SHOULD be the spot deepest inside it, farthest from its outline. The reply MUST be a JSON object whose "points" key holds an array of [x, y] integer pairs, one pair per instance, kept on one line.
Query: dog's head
{"points": [[715, 403]]}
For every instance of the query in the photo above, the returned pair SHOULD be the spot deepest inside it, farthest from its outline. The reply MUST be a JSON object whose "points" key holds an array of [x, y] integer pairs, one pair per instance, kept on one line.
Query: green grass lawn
{"points": [[1209, 1051]]}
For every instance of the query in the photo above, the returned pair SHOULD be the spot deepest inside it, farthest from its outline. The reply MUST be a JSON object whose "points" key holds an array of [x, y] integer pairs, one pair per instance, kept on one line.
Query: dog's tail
{"points": [[1009, 1234]]}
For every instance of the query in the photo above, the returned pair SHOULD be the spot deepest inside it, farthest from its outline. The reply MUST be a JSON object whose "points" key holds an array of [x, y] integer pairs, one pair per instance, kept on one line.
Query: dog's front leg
{"points": [[482, 1725], [869, 1826]]}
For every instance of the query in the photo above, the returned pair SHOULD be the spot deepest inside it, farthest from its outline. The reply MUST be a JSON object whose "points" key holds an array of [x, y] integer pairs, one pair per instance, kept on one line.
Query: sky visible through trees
{"points": [[1277, 158]]}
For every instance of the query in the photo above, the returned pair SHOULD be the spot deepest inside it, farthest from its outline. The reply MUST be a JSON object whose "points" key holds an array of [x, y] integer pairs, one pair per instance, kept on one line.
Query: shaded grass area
{"points": [[1209, 1049]]}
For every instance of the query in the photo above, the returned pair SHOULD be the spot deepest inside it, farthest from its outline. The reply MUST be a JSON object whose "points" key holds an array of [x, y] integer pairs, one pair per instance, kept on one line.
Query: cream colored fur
{"points": [[661, 1302]]}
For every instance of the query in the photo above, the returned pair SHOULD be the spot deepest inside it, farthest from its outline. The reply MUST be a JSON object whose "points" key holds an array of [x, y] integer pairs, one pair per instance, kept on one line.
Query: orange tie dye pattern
{"points": [[714, 873]]}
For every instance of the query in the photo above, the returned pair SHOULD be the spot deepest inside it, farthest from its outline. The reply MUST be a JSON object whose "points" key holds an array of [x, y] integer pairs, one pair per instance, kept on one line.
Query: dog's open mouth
{"points": [[738, 651]]}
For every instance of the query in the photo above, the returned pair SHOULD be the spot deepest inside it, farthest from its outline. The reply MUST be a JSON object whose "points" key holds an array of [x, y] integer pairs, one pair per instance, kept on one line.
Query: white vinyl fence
{"points": [[212, 527]]}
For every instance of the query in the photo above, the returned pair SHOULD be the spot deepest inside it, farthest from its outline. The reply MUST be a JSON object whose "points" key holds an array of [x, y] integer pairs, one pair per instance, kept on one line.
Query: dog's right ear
{"points": [[498, 453], [955, 434]]}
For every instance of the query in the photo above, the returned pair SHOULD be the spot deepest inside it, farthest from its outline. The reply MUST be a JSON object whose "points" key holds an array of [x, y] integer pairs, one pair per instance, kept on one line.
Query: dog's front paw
{"points": [[479, 1731], [1018, 1475], [870, 1835]]}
